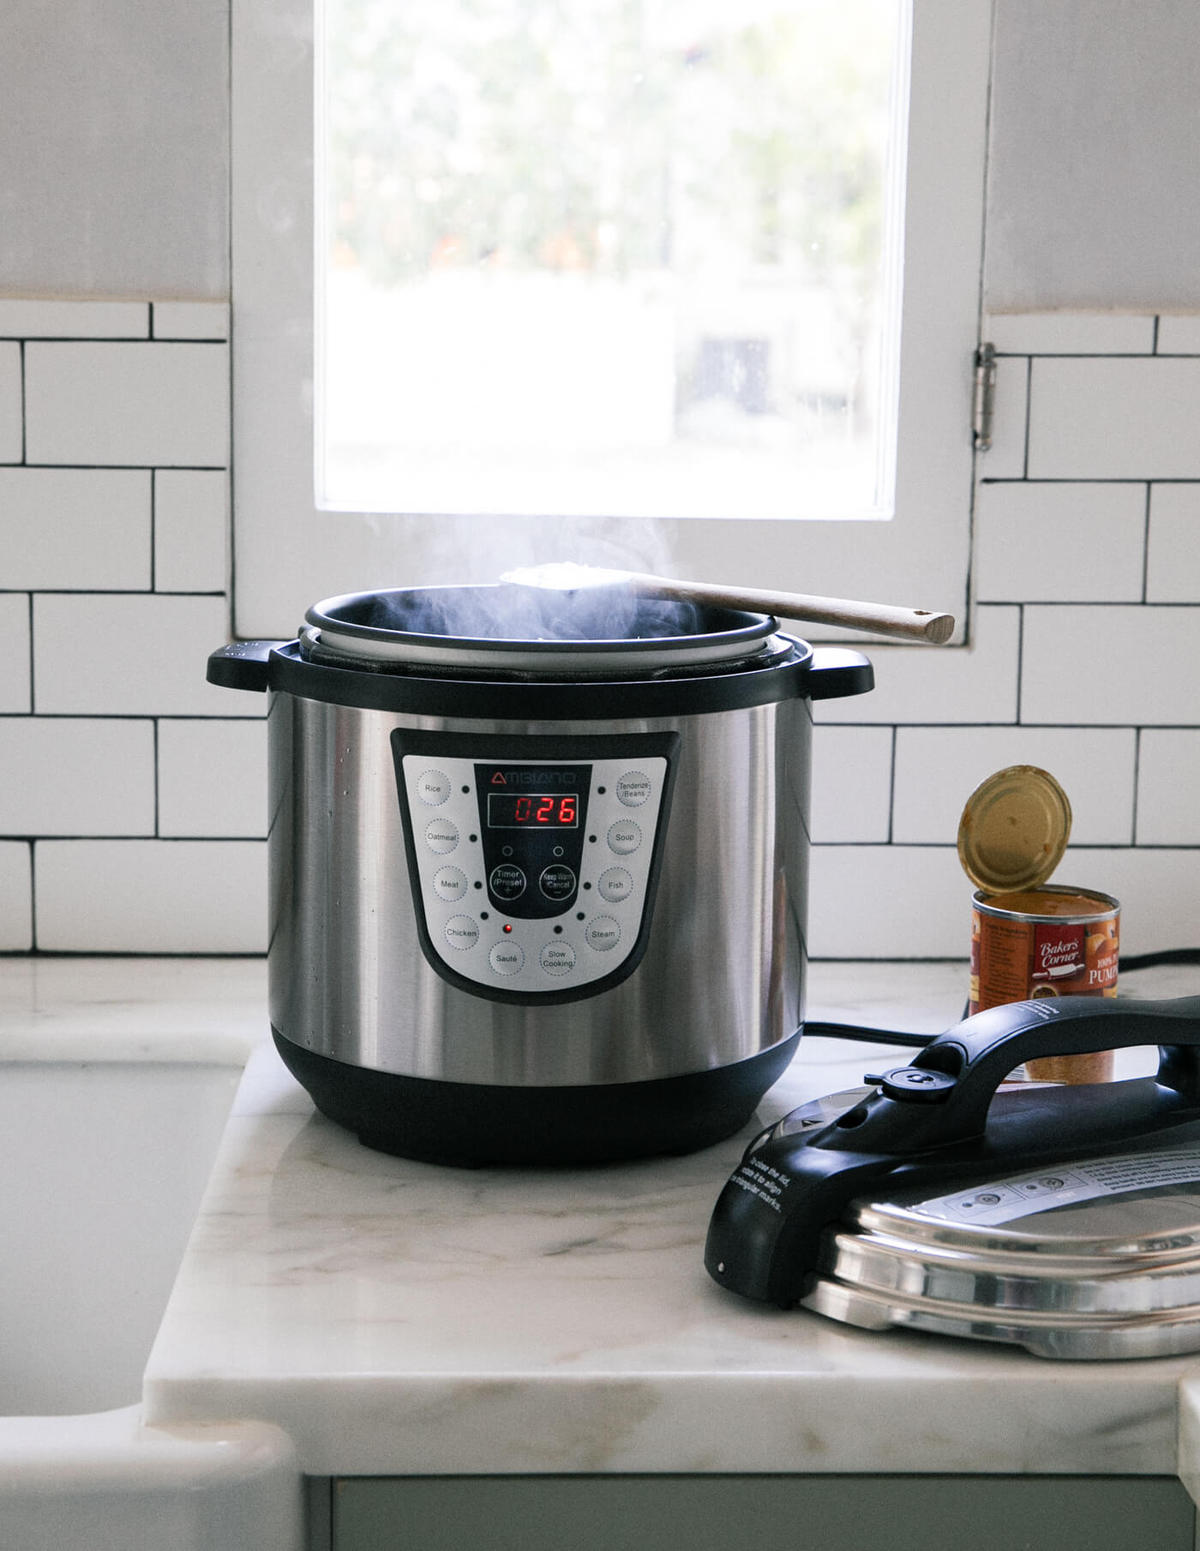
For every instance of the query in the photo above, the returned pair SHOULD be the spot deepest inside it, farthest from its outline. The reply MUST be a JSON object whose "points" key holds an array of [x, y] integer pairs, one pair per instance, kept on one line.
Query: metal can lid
{"points": [[1014, 829]]}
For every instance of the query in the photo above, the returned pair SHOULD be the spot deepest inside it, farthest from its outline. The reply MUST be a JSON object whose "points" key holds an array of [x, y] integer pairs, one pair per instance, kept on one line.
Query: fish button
{"points": [[433, 787], [624, 836], [615, 885], [507, 881], [557, 958], [449, 883], [557, 882], [507, 958]]}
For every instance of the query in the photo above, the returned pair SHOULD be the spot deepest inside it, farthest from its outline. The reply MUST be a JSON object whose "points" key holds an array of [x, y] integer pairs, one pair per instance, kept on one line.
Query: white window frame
{"points": [[288, 554]]}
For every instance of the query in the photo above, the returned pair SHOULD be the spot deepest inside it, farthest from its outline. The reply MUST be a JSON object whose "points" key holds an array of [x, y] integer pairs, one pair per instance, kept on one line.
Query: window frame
{"points": [[288, 554]]}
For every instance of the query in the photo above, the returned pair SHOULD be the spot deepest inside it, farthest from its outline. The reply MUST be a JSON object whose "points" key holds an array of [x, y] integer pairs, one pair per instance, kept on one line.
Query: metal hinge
{"points": [[985, 396]]}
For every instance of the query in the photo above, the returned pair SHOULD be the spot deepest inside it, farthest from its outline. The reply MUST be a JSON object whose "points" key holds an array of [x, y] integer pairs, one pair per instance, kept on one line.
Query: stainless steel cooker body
{"points": [[721, 976], [537, 900]]}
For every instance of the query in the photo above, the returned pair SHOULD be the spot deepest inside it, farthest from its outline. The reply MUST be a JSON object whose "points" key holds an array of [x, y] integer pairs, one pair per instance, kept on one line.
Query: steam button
{"points": [[615, 885], [433, 787], [441, 835], [507, 881], [507, 958], [602, 934], [624, 837], [633, 788]]}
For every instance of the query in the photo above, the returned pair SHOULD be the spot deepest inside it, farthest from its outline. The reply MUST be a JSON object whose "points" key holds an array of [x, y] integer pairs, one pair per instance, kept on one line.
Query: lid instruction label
{"points": [[1006, 1200]]}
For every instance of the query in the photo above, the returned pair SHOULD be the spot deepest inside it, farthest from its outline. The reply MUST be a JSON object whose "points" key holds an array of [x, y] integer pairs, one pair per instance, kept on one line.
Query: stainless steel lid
{"points": [[1088, 1259]]}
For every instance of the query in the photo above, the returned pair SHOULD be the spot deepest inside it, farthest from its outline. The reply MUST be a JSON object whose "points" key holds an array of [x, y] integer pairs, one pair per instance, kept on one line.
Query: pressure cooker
{"points": [[538, 887]]}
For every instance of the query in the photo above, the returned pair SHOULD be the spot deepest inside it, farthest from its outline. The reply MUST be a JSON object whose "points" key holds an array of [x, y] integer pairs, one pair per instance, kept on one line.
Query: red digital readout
{"points": [[529, 810]]}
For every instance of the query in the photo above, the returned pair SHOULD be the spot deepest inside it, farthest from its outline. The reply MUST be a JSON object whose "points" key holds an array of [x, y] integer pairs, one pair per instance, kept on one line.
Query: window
{"points": [[408, 400]]}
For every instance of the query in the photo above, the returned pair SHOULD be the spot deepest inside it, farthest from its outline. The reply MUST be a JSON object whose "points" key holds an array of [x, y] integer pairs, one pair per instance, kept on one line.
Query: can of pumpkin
{"points": [[1031, 939]]}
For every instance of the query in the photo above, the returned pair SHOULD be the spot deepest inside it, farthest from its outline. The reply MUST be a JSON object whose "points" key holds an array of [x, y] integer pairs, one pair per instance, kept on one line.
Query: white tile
{"points": [[1160, 903], [76, 776], [933, 684], [1118, 665], [11, 433], [851, 784], [75, 528], [16, 898], [15, 662], [151, 896], [1173, 553], [94, 403], [1005, 458], [132, 655], [1168, 797], [888, 902], [1059, 541], [937, 769], [63, 319], [191, 530], [1108, 418], [212, 779], [1179, 334], [191, 320], [1071, 333]]}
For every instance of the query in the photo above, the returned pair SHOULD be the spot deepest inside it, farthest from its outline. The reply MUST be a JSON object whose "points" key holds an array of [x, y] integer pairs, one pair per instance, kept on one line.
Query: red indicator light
{"points": [[507, 927]]}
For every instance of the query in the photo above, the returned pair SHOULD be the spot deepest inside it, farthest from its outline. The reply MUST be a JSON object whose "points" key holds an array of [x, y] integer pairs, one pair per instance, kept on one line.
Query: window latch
{"points": [[985, 397]]}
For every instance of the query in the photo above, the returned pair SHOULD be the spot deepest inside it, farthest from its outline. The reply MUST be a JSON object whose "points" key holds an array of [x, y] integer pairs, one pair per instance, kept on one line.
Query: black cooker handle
{"points": [[244, 665], [836, 672], [934, 1121]]}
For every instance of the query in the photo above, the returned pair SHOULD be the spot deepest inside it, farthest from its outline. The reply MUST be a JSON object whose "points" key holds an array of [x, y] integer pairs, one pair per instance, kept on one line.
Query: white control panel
{"points": [[533, 873]]}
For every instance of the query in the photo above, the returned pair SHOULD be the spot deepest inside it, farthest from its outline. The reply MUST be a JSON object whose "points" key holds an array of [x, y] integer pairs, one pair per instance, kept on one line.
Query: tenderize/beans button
{"points": [[633, 788]]}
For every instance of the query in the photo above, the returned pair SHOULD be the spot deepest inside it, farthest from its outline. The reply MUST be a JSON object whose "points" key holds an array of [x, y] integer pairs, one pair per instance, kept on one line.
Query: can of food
{"points": [[1031, 939]]}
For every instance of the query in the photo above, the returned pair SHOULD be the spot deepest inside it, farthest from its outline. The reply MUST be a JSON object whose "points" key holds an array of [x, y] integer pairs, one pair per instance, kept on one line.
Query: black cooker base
{"points": [[473, 1125]]}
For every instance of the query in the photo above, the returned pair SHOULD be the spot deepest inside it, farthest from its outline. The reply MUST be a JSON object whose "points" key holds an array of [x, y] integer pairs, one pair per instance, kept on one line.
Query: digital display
{"points": [[532, 810]]}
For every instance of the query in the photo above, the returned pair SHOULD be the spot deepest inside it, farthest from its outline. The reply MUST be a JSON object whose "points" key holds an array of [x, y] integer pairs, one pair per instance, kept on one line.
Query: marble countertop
{"points": [[399, 1318]]}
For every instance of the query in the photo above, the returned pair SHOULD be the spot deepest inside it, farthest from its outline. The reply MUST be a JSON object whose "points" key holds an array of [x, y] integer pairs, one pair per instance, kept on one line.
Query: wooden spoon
{"points": [[885, 619]]}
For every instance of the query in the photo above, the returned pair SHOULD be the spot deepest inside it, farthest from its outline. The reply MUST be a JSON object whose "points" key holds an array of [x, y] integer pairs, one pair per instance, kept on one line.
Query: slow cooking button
{"points": [[557, 958], [433, 787], [507, 881], [633, 788], [441, 835], [557, 882], [462, 932], [615, 885], [624, 837], [507, 958], [602, 934], [449, 883]]}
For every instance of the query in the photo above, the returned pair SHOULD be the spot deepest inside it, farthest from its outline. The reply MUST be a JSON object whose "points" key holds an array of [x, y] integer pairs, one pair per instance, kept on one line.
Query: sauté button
{"points": [[507, 958]]}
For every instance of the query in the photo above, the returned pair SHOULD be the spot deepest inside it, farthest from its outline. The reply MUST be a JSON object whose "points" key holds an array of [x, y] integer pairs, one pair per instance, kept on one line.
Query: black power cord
{"points": [[869, 1036]]}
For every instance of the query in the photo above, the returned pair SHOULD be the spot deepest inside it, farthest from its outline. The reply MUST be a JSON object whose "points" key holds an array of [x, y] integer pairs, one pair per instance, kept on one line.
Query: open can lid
{"points": [[1014, 829]]}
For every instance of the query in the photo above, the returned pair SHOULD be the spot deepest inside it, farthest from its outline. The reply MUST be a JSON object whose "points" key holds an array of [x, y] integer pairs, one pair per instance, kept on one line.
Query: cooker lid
{"points": [[1094, 1258], [507, 628]]}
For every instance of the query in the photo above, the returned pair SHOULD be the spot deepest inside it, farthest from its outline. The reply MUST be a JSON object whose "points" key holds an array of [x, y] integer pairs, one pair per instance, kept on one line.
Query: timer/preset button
{"points": [[449, 883], [602, 934], [557, 958], [615, 885], [462, 932], [507, 958], [507, 881], [441, 836], [433, 787], [557, 882], [633, 788], [624, 837]]}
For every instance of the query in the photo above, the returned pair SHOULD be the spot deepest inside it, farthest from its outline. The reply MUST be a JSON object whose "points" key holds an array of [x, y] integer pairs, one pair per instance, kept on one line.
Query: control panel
{"points": [[533, 861]]}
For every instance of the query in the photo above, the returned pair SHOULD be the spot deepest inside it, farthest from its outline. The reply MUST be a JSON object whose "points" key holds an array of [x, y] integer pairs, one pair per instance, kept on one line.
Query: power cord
{"points": [[870, 1036]]}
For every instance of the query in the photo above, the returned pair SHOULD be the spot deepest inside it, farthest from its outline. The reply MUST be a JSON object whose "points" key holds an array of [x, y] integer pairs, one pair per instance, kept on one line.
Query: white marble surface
{"points": [[395, 1317]]}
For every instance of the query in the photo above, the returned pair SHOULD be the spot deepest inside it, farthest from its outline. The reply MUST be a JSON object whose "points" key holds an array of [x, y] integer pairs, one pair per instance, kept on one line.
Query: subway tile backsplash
{"points": [[132, 795]]}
